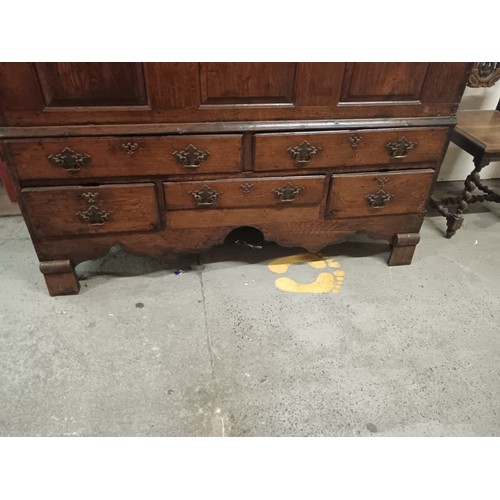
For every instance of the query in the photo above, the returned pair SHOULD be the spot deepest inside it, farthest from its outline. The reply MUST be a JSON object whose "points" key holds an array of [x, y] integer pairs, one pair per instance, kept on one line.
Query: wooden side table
{"points": [[478, 133]]}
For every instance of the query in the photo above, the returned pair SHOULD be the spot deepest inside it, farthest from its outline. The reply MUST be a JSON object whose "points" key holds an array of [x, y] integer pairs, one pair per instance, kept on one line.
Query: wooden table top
{"points": [[482, 127]]}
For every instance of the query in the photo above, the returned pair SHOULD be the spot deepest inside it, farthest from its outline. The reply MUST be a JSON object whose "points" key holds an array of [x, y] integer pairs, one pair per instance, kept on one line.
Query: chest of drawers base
{"points": [[172, 157], [81, 196]]}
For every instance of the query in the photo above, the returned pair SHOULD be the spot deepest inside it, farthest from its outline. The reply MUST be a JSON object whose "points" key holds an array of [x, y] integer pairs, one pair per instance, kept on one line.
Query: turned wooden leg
{"points": [[403, 248], [60, 277], [453, 223], [454, 220]]}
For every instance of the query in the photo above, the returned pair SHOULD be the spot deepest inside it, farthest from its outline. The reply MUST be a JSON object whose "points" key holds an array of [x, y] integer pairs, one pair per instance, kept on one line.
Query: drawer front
{"points": [[91, 210], [359, 147], [245, 193], [360, 195], [124, 156]]}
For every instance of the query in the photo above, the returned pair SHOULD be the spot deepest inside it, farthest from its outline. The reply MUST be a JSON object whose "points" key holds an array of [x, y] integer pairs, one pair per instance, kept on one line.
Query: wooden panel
{"points": [[272, 151], [19, 89], [247, 83], [119, 156], [318, 84], [365, 82], [174, 94], [60, 211], [245, 192], [92, 84], [445, 83], [385, 193], [173, 85]]}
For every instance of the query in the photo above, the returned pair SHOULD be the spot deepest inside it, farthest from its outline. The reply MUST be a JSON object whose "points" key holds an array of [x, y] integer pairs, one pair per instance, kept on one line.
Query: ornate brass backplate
{"points": [[246, 187], [70, 160], [94, 215], [400, 148], [191, 157], [204, 197], [304, 152], [288, 192], [381, 197]]}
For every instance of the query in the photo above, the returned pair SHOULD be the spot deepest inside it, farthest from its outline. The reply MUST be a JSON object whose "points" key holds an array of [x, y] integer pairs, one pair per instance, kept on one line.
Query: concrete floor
{"points": [[219, 350]]}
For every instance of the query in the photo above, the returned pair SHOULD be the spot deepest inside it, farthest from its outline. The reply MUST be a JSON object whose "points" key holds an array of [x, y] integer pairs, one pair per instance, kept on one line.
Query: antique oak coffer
{"points": [[161, 157]]}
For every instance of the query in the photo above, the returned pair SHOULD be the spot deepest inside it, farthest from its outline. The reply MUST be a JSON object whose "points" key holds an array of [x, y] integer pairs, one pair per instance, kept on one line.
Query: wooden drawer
{"points": [[124, 156], [58, 211], [359, 195], [247, 201], [356, 147], [244, 193]]}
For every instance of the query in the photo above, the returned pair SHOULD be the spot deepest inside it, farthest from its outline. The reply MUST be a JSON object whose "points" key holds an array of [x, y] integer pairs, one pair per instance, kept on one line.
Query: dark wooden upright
{"points": [[172, 156]]}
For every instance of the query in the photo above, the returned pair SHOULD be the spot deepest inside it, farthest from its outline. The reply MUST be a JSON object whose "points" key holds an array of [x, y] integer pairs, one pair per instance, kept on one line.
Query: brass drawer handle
{"points": [[381, 197], [94, 215], [288, 192], [191, 157], [303, 153], [400, 148], [130, 147], [205, 197], [70, 160]]}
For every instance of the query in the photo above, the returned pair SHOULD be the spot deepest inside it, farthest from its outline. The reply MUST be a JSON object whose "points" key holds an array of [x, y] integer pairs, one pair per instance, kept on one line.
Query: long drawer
{"points": [[387, 193], [246, 201], [361, 147], [58, 211], [125, 156], [246, 192]]}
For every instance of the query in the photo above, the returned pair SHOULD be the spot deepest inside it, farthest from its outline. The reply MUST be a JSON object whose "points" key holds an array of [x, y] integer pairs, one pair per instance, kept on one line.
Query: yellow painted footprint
{"points": [[282, 264], [325, 282]]}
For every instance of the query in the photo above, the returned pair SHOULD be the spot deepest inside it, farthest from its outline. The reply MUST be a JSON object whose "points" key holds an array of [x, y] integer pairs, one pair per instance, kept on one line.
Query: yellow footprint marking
{"points": [[325, 282], [282, 264], [331, 262]]}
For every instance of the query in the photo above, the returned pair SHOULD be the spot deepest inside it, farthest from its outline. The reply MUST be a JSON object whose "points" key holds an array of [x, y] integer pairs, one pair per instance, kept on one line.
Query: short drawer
{"points": [[58, 211], [352, 148], [245, 193], [359, 195], [125, 156]]}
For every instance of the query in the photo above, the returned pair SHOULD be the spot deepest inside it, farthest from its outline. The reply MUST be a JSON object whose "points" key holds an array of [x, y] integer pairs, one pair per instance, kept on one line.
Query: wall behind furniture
{"points": [[458, 164]]}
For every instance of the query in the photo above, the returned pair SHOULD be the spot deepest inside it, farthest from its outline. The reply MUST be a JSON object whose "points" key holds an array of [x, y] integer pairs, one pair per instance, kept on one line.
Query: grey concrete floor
{"points": [[219, 350]]}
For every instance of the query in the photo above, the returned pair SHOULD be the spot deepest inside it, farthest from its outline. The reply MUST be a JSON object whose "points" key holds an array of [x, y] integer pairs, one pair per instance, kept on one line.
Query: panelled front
{"points": [[34, 94], [78, 210], [358, 147], [125, 156]]}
